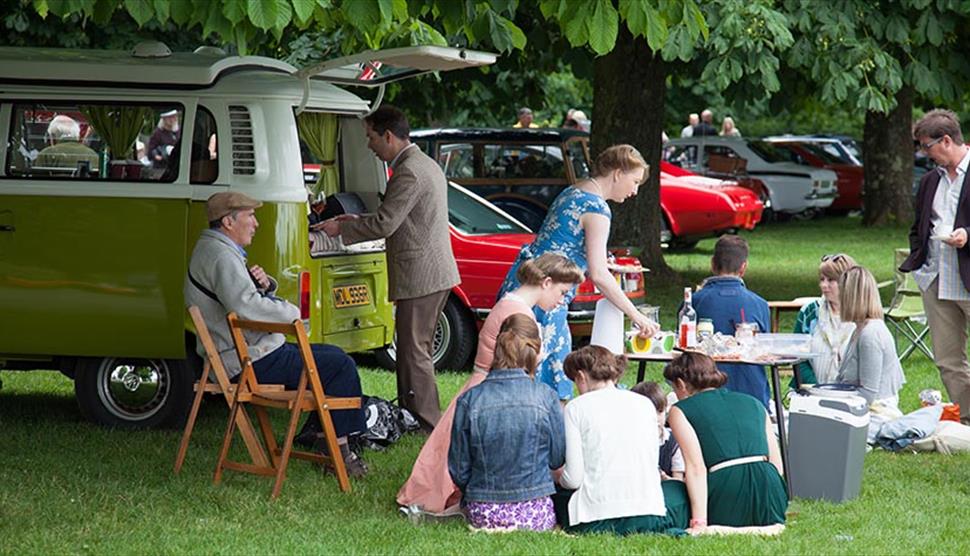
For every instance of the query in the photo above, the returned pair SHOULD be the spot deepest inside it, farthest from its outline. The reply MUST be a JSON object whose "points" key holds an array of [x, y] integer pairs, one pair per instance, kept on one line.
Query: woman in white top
{"points": [[821, 319], [612, 452]]}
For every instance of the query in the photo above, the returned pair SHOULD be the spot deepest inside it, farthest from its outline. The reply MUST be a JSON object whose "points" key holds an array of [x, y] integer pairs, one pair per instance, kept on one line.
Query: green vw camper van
{"points": [[106, 161]]}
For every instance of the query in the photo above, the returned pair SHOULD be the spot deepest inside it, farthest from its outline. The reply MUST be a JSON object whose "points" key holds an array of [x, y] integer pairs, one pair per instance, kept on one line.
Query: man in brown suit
{"points": [[422, 270]]}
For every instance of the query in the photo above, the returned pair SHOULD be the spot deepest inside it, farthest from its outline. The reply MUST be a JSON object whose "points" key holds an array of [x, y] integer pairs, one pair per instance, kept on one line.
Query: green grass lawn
{"points": [[67, 486]]}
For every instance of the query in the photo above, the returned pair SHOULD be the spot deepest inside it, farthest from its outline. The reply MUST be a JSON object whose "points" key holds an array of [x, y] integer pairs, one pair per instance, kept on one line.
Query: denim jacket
{"points": [[508, 433]]}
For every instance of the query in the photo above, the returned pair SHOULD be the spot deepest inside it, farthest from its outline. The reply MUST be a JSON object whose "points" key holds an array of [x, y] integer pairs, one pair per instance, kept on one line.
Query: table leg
{"points": [[782, 435], [641, 371]]}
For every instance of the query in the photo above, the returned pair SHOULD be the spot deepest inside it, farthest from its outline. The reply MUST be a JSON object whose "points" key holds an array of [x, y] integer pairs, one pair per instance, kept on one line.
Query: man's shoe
{"points": [[354, 464]]}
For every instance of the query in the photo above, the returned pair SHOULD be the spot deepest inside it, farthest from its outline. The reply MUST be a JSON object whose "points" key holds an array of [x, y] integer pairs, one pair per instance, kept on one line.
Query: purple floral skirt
{"points": [[535, 515]]}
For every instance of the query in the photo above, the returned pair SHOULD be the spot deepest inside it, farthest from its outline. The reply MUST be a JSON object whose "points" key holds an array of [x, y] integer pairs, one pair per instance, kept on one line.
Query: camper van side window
{"points": [[95, 142], [204, 168]]}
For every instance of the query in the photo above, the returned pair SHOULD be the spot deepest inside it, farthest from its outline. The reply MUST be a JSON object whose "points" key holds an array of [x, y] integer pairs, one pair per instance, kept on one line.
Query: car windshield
{"points": [[768, 152], [827, 152], [474, 215]]}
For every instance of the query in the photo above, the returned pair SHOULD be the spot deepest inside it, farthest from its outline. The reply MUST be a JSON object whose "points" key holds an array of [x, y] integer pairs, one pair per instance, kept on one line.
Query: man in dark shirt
{"points": [[162, 143], [706, 127]]}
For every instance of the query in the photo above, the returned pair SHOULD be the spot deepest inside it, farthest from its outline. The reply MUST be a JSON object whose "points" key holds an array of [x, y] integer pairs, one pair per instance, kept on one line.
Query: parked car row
{"points": [[523, 170], [794, 189]]}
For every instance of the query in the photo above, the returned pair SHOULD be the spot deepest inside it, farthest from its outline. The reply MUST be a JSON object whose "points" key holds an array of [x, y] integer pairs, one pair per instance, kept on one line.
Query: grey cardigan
{"points": [[871, 362], [218, 264]]}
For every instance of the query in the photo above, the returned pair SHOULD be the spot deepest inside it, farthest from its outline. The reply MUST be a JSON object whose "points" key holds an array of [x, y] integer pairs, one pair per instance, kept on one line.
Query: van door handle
{"points": [[7, 228]]}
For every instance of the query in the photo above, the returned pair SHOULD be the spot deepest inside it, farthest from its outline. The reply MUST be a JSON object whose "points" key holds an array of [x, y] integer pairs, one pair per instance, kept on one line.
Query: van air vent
{"points": [[243, 150]]}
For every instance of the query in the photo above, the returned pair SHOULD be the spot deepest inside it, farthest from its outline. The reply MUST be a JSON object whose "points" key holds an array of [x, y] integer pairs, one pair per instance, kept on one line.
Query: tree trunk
{"points": [[888, 153], [628, 104]]}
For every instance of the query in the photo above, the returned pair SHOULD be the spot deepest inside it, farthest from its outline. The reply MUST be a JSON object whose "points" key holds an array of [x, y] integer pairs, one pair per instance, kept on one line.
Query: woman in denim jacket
{"points": [[507, 436]]}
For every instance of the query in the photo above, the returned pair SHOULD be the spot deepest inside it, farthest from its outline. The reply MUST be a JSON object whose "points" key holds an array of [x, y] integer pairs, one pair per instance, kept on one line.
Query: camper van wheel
{"points": [[455, 337], [132, 392]]}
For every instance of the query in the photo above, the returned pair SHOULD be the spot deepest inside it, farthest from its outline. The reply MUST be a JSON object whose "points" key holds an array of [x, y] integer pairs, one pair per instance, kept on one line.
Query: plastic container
{"points": [[827, 442], [789, 345]]}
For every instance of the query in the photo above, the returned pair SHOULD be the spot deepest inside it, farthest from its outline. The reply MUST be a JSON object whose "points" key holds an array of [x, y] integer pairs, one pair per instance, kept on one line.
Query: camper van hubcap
{"points": [[439, 343], [133, 389]]}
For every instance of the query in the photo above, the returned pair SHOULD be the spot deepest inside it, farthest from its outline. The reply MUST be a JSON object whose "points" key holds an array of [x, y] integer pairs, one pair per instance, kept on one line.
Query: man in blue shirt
{"points": [[722, 298]]}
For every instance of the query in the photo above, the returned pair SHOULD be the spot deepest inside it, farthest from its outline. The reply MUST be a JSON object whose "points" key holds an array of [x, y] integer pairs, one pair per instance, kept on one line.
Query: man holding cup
{"points": [[939, 257]]}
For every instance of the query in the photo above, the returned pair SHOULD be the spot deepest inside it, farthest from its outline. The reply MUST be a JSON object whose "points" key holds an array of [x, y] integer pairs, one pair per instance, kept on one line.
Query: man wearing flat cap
{"points": [[219, 281]]}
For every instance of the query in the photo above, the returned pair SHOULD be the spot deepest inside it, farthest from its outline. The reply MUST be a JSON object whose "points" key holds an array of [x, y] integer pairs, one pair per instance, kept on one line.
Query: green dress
{"points": [[730, 425]]}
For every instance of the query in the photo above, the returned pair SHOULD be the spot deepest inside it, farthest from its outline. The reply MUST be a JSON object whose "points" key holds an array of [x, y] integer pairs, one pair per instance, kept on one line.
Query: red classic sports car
{"points": [[522, 170]]}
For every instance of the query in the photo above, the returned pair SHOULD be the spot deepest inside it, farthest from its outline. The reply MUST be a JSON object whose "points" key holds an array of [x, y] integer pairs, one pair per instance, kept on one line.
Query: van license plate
{"points": [[350, 296]]}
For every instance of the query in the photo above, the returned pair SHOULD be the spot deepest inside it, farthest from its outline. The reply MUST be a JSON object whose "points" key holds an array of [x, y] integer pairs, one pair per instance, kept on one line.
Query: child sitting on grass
{"points": [[507, 437], [671, 460]]}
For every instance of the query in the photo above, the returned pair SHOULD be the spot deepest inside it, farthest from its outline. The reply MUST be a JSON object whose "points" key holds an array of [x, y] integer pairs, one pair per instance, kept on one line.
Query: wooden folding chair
{"points": [[309, 396], [212, 366]]}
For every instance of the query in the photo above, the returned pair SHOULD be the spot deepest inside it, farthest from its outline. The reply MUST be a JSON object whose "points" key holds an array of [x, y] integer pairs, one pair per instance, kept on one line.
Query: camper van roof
{"points": [[180, 69]]}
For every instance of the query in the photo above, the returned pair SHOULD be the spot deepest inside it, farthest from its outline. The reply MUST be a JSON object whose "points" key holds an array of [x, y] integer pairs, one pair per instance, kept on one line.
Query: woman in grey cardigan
{"points": [[870, 361]]}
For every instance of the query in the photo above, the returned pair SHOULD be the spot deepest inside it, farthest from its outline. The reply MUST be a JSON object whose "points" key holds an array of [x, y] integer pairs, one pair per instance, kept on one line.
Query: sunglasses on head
{"points": [[836, 257]]}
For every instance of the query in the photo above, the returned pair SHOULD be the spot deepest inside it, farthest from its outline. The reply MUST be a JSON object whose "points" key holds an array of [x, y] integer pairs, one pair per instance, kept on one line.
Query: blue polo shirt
{"points": [[721, 299]]}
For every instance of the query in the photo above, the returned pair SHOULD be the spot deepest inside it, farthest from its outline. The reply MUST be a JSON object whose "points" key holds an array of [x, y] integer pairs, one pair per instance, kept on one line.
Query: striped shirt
{"points": [[941, 260]]}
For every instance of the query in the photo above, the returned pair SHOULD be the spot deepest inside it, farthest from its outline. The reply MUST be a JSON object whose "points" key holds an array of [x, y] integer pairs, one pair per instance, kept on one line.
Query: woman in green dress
{"points": [[733, 464]]}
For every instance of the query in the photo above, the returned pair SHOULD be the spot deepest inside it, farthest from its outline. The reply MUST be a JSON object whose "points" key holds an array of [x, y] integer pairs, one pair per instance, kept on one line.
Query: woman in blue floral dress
{"points": [[577, 227]]}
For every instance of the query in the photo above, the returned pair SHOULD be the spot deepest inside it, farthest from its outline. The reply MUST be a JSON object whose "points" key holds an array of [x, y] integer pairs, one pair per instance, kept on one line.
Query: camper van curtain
{"points": [[319, 133], [118, 126]]}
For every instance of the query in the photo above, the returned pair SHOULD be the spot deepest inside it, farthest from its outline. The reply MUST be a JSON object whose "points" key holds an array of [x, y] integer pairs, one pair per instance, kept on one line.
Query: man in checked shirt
{"points": [[939, 255]]}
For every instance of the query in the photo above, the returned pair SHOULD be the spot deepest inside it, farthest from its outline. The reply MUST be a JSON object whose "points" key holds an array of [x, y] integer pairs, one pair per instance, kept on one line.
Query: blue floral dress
{"points": [[561, 233]]}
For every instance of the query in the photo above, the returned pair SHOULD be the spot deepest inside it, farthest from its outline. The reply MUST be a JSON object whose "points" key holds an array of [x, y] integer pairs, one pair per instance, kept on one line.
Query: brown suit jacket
{"points": [[414, 219], [919, 234]]}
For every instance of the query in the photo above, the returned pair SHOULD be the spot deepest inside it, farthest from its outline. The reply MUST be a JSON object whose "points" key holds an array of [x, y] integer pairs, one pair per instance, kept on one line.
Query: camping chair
{"points": [[308, 396], [213, 368], [905, 312]]}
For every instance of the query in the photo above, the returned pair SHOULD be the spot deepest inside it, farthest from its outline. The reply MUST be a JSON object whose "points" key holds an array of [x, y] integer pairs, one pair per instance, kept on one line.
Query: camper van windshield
{"points": [[101, 141]]}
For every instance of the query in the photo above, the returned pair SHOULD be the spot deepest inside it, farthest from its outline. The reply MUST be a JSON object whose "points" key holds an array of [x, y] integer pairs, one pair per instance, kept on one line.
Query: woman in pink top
{"points": [[544, 281]]}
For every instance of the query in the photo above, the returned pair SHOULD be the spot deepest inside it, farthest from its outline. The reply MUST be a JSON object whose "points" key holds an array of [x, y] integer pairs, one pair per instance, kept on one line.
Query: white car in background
{"points": [[793, 189]]}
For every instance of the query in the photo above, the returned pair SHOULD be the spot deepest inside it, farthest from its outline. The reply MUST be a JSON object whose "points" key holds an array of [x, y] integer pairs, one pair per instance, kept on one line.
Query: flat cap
{"points": [[223, 203]]}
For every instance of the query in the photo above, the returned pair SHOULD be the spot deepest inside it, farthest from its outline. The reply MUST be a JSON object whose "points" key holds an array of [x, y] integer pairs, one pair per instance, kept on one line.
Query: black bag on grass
{"points": [[386, 422]]}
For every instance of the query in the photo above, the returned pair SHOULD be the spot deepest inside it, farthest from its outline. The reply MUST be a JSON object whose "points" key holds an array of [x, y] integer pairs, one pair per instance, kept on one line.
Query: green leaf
{"points": [[103, 10], [934, 33], [550, 8], [40, 6], [518, 37], [897, 30], [263, 14], [451, 14], [303, 10], [365, 15], [216, 23], [386, 8], [432, 36], [234, 10], [656, 29], [576, 25], [141, 11], [401, 10], [634, 12], [603, 27], [181, 12], [162, 10], [499, 34], [283, 18]]}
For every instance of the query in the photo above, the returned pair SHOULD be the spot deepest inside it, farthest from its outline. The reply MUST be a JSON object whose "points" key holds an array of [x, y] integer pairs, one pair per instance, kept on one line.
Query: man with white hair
{"points": [[164, 139], [692, 120], [66, 149]]}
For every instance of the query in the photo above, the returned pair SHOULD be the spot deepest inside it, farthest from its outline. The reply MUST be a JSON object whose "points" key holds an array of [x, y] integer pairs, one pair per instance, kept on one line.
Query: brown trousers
{"points": [[417, 390], [948, 326]]}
